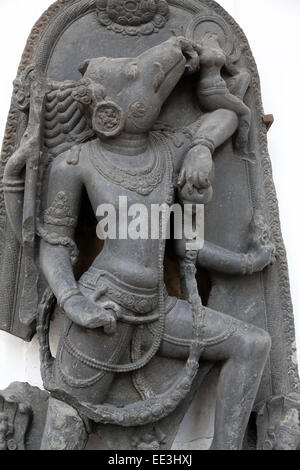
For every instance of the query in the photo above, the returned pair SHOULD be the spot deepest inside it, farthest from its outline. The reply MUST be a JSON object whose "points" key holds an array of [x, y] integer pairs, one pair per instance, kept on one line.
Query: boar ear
{"points": [[83, 66]]}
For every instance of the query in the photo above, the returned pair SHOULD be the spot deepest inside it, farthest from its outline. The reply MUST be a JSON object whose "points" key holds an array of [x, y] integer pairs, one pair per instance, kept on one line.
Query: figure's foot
{"points": [[239, 84]]}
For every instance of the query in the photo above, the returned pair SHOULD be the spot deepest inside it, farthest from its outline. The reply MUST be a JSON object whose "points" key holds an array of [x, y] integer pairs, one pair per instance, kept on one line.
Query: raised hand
{"points": [[30, 143], [192, 53], [262, 251]]}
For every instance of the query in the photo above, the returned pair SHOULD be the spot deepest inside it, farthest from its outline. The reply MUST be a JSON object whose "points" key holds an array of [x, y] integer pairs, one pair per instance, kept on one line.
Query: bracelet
{"points": [[13, 186], [206, 142], [63, 298], [248, 268]]}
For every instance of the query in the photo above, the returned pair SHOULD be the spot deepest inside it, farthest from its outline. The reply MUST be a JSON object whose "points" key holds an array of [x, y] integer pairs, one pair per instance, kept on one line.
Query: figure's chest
{"points": [[109, 183], [213, 57], [102, 191]]}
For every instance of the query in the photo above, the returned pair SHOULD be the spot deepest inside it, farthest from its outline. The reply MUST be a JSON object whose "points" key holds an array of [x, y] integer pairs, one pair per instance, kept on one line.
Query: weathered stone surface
{"points": [[159, 104], [23, 408]]}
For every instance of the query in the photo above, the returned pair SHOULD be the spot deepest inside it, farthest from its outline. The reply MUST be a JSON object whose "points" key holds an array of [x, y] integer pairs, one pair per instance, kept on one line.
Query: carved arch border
{"points": [[40, 43]]}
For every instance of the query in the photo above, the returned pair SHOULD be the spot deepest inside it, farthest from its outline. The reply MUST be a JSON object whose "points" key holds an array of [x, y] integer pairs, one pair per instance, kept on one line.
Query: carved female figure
{"points": [[214, 92]]}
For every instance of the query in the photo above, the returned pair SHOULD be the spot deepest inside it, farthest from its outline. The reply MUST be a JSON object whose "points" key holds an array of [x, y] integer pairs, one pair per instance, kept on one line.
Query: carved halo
{"points": [[133, 17], [211, 24], [108, 119]]}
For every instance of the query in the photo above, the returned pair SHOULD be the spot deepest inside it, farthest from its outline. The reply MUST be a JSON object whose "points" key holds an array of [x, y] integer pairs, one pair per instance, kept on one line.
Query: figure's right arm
{"points": [[58, 249], [57, 231]]}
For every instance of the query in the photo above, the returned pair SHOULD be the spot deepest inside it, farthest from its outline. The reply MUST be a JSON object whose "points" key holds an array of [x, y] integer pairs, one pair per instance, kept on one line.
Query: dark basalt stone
{"points": [[158, 102]]}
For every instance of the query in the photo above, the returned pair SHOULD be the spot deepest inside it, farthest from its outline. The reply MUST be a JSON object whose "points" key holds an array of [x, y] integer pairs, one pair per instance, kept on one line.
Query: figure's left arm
{"points": [[196, 164], [260, 253], [213, 129]]}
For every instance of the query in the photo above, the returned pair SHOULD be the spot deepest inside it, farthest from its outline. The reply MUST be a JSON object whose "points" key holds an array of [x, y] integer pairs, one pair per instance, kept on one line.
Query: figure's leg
{"points": [[239, 83], [223, 101], [244, 356], [232, 102], [64, 428], [242, 348], [76, 369], [237, 105]]}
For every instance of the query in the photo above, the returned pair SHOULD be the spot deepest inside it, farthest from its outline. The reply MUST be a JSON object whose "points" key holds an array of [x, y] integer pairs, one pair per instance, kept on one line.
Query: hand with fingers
{"points": [[29, 148], [262, 250], [29, 145], [91, 312], [192, 53], [196, 176]]}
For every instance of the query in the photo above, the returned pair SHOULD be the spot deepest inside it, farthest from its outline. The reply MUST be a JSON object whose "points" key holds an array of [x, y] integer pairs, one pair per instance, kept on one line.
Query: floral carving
{"points": [[133, 17], [83, 95]]}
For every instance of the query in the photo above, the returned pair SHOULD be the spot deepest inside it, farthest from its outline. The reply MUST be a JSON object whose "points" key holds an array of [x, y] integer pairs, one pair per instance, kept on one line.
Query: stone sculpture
{"points": [[165, 108]]}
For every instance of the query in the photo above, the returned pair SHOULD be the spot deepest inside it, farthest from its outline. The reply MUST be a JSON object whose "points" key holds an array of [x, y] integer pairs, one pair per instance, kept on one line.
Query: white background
{"points": [[272, 28]]}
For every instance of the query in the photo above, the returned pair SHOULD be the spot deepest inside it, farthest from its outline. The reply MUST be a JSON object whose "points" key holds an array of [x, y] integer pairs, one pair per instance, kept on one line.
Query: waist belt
{"points": [[138, 300], [218, 90]]}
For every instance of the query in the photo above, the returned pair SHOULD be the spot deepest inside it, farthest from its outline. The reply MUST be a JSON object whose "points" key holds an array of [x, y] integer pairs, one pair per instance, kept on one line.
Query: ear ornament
{"points": [[108, 119]]}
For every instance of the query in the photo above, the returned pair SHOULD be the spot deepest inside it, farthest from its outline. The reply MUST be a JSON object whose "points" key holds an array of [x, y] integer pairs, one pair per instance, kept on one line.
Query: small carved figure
{"points": [[214, 92]]}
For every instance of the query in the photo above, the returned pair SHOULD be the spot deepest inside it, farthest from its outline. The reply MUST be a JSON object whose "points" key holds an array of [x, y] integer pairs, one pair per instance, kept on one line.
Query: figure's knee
{"points": [[255, 343], [262, 342], [244, 77], [245, 114], [248, 114], [64, 428]]}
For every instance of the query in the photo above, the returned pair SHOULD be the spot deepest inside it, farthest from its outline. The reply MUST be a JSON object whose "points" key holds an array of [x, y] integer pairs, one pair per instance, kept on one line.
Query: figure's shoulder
{"points": [[72, 160], [179, 140]]}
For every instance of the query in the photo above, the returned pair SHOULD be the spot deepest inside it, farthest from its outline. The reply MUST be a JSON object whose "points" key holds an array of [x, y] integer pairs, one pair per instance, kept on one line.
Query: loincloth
{"points": [[98, 351], [134, 299], [87, 357]]}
